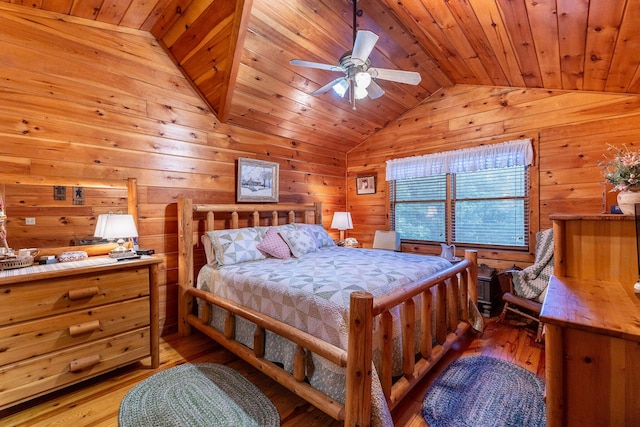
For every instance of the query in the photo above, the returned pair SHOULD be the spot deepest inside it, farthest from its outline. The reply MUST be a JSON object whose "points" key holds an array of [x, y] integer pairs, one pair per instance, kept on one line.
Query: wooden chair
{"points": [[389, 240], [528, 287]]}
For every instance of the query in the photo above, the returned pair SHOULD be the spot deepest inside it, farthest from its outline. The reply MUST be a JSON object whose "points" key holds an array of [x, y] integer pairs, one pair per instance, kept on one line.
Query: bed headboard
{"points": [[196, 219], [258, 214]]}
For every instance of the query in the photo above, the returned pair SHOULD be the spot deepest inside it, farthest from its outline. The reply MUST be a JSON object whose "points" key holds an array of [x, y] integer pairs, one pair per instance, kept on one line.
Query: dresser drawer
{"points": [[36, 376], [34, 338], [31, 300]]}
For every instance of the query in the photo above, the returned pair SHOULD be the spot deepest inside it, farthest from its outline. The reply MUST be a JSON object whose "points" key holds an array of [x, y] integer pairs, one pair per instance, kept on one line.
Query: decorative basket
{"points": [[72, 256], [20, 262]]}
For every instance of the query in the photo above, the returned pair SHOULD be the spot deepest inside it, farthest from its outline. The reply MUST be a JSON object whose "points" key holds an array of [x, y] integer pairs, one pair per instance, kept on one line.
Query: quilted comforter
{"points": [[312, 294]]}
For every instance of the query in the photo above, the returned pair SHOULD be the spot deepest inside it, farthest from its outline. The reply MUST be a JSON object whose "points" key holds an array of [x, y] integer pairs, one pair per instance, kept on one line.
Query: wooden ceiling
{"points": [[236, 52]]}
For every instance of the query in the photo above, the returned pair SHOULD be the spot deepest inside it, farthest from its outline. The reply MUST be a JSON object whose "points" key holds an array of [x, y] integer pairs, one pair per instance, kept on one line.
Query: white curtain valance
{"points": [[506, 154]]}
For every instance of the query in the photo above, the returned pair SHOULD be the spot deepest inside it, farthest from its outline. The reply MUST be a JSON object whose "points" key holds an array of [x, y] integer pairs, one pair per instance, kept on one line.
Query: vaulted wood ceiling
{"points": [[236, 52]]}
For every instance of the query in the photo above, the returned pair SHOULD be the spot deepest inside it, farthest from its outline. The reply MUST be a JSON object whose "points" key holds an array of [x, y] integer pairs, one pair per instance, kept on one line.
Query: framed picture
{"points": [[59, 192], [366, 184], [78, 195], [257, 181]]}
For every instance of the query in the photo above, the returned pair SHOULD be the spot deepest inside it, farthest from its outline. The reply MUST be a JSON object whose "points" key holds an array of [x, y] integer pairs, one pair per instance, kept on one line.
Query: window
{"points": [[487, 206]]}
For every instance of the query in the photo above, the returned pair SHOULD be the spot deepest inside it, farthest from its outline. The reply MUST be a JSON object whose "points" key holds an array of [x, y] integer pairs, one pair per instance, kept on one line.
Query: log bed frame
{"points": [[453, 288]]}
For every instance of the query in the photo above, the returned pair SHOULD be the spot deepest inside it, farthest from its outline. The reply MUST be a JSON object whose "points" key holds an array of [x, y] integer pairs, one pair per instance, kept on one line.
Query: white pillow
{"points": [[299, 240], [236, 245], [318, 232]]}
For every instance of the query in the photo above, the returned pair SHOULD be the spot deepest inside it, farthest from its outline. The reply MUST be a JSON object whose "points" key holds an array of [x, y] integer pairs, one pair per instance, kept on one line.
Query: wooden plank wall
{"points": [[572, 128], [85, 99], [62, 221]]}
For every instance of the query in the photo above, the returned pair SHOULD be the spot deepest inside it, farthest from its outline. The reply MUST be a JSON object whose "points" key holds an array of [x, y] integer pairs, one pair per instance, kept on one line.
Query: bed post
{"points": [[472, 284], [358, 399], [317, 207], [185, 264]]}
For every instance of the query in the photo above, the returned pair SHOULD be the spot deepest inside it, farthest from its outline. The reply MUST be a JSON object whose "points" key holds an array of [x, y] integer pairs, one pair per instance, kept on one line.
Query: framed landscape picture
{"points": [[366, 184], [257, 181]]}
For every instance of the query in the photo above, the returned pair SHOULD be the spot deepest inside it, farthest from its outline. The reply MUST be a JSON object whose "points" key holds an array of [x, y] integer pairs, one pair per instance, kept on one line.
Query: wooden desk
{"points": [[61, 326], [592, 321]]}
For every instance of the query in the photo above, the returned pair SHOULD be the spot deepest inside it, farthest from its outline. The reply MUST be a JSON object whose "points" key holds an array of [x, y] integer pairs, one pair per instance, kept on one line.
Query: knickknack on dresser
{"points": [[64, 323]]}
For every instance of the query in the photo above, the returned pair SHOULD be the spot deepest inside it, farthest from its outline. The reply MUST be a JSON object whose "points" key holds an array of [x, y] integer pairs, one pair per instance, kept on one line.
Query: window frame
{"points": [[493, 251], [449, 215]]}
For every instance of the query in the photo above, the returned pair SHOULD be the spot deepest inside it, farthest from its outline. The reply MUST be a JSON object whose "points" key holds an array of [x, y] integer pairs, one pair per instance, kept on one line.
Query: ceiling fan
{"points": [[359, 75]]}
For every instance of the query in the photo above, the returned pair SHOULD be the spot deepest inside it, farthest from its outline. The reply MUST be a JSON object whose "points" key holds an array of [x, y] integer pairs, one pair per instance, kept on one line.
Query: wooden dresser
{"points": [[62, 324], [592, 321]]}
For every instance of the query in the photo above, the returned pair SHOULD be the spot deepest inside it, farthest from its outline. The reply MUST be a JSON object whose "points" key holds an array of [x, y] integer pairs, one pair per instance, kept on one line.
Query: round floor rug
{"points": [[485, 391], [203, 394]]}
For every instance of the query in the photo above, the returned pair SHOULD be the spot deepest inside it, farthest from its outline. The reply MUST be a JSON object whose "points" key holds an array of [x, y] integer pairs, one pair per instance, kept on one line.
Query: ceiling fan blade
{"points": [[408, 77], [374, 90], [362, 47], [326, 88], [309, 64]]}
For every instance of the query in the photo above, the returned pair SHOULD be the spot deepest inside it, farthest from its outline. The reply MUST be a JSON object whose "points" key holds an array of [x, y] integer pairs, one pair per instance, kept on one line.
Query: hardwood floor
{"points": [[95, 402]]}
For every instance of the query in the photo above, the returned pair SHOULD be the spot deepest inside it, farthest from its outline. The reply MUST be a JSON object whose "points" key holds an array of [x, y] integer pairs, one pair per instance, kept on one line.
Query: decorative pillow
{"points": [[319, 234], [236, 245], [208, 249], [300, 241], [273, 245]]}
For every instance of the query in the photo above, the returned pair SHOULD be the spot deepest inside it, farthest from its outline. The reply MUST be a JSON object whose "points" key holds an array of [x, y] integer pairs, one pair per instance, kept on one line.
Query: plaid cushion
{"points": [[319, 234], [237, 245], [300, 241]]}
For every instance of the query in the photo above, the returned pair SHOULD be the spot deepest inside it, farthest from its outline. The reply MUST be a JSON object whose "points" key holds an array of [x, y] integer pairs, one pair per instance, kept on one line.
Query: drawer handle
{"points": [[84, 293], [78, 365], [84, 328]]}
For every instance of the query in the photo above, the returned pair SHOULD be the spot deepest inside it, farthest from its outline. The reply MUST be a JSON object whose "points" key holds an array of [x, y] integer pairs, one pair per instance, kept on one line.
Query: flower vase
{"points": [[627, 200]]}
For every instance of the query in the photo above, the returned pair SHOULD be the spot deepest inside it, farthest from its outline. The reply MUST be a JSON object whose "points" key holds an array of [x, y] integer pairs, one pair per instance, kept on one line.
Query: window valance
{"points": [[502, 155]]}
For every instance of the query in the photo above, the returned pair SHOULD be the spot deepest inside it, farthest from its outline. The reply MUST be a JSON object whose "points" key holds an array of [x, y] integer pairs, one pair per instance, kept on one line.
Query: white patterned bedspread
{"points": [[312, 292]]}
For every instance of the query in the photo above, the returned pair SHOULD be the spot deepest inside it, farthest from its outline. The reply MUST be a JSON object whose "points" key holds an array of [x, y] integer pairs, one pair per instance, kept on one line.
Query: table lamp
{"points": [[117, 227], [342, 221]]}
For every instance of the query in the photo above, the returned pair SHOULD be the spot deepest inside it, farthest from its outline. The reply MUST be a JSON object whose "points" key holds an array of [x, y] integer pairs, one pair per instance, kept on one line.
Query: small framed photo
{"points": [[257, 181], [59, 192], [366, 184], [78, 195]]}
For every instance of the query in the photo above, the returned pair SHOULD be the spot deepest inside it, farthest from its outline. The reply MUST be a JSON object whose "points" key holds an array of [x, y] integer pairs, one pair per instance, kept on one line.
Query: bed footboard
{"points": [[453, 288], [450, 290]]}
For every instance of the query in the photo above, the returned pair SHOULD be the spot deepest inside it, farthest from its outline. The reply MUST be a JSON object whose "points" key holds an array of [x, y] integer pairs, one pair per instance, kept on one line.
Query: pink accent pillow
{"points": [[274, 245]]}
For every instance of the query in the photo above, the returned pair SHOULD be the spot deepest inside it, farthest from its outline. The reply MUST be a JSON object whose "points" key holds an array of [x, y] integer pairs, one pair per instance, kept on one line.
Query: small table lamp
{"points": [[342, 221], [117, 226]]}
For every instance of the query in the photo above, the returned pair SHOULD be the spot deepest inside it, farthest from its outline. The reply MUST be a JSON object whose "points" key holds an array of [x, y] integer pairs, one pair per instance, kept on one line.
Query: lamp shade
{"points": [[342, 221], [102, 221], [116, 226]]}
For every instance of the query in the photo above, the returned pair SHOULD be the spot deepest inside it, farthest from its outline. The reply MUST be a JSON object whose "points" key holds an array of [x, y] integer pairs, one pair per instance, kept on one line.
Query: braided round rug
{"points": [[485, 391], [203, 394]]}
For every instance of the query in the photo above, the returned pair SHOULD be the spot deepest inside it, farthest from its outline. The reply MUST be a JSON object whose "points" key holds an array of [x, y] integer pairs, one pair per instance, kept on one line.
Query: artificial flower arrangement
{"points": [[621, 167]]}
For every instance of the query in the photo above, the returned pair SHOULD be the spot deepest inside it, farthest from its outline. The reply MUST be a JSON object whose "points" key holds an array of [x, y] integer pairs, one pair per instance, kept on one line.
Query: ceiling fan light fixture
{"points": [[341, 87], [363, 79], [360, 92]]}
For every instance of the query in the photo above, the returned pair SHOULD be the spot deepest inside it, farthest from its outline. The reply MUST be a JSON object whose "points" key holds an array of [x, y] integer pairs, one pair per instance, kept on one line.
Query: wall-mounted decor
{"points": [[78, 195], [59, 192], [366, 184], [257, 181]]}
